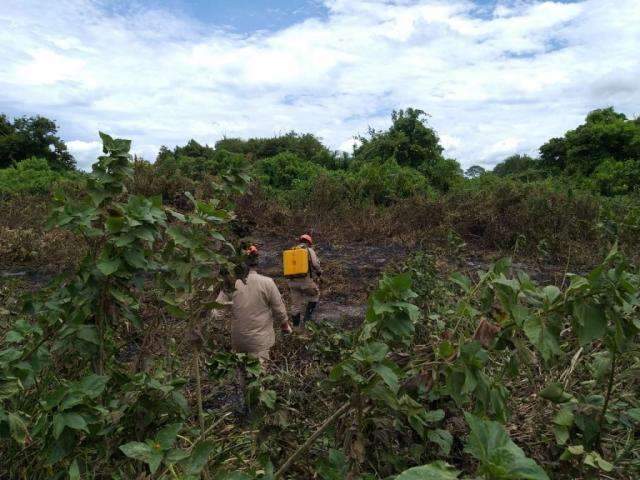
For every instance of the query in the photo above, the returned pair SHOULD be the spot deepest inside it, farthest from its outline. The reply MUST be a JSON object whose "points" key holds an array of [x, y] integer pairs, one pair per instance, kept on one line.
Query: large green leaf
{"points": [[500, 458], [74, 470], [108, 265], [72, 420], [434, 471], [199, 457], [442, 438], [371, 352], [9, 386], [144, 453], [88, 333], [167, 435], [135, 257], [544, 338], [555, 393], [388, 375], [181, 237], [18, 428], [592, 322]]}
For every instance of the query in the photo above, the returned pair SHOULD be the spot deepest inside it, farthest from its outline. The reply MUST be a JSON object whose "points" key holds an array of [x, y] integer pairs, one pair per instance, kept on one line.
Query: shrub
{"points": [[33, 175], [383, 183]]}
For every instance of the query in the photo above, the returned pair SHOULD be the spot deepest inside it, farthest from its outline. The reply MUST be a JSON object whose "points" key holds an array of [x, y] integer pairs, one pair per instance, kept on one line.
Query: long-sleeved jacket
{"points": [[315, 263], [256, 305]]}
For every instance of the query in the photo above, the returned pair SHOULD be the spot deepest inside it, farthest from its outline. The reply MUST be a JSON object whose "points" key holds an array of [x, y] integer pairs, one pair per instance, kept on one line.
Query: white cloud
{"points": [[494, 84], [85, 153]]}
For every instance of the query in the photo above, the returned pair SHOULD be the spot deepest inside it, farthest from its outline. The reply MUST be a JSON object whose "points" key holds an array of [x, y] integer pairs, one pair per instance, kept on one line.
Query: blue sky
{"points": [[240, 16], [497, 77]]}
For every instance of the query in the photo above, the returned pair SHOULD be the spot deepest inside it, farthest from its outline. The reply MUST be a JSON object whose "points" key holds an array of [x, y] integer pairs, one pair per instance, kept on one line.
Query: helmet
{"points": [[306, 238], [252, 251]]}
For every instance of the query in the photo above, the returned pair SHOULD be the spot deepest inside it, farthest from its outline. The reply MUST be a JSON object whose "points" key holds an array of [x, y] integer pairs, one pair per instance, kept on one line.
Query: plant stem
{"points": [[326, 424], [607, 398], [199, 392]]}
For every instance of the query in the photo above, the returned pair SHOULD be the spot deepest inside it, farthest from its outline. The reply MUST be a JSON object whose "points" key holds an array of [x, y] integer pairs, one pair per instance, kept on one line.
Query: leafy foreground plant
{"points": [[72, 403], [398, 401], [381, 423]]}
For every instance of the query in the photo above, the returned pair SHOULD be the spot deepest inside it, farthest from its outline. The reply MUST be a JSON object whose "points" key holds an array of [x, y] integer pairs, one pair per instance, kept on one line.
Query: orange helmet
{"points": [[306, 238], [252, 251]]}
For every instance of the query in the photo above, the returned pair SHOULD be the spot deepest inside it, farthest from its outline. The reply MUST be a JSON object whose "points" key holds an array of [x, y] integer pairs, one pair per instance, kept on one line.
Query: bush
{"points": [[384, 183], [195, 161], [33, 175]]}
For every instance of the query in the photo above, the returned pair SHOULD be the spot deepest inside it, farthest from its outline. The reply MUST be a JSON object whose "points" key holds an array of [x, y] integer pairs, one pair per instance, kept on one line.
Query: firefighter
{"points": [[304, 291], [257, 303]]}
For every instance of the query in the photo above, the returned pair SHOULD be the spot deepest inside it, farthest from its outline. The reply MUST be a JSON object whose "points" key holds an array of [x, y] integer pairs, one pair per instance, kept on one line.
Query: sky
{"points": [[496, 77]]}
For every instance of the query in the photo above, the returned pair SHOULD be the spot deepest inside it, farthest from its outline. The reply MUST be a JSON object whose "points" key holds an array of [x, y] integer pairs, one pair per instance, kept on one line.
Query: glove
{"points": [[286, 328]]}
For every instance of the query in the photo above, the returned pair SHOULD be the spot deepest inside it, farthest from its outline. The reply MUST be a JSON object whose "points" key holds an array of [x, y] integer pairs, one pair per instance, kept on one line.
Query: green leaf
{"points": [[564, 417], [551, 293], [555, 393], [177, 215], [434, 471], [591, 320], [135, 258], [388, 375], [446, 350], [75, 421], [442, 438], [268, 398], [176, 455], [575, 449], [167, 435], [634, 414], [371, 352], [540, 335], [561, 433], [9, 386], [74, 470], [463, 281], [58, 425], [18, 428], [594, 460], [199, 457], [144, 453], [433, 416], [88, 333], [490, 444], [108, 266], [180, 237], [9, 355], [114, 224], [13, 337]]}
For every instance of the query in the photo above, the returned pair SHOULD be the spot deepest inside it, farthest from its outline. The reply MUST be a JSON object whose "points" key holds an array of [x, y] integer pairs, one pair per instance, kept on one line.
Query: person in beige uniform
{"points": [[304, 291], [257, 303]]}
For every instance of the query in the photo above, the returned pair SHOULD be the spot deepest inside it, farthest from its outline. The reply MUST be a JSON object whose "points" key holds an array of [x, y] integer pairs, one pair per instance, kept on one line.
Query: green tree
{"points": [[515, 165], [195, 161], [553, 155], [606, 135], [28, 137], [474, 171], [409, 141], [305, 146]]}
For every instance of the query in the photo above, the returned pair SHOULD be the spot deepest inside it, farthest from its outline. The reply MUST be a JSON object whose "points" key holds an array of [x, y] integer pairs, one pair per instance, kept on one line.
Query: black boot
{"points": [[311, 306], [296, 319]]}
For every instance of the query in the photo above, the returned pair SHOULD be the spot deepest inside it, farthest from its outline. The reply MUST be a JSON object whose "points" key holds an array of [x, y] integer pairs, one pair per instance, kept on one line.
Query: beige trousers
{"points": [[302, 291]]}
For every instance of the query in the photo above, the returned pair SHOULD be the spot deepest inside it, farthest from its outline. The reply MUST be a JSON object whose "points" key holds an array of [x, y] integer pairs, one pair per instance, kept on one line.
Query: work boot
{"points": [[296, 320], [311, 306]]}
